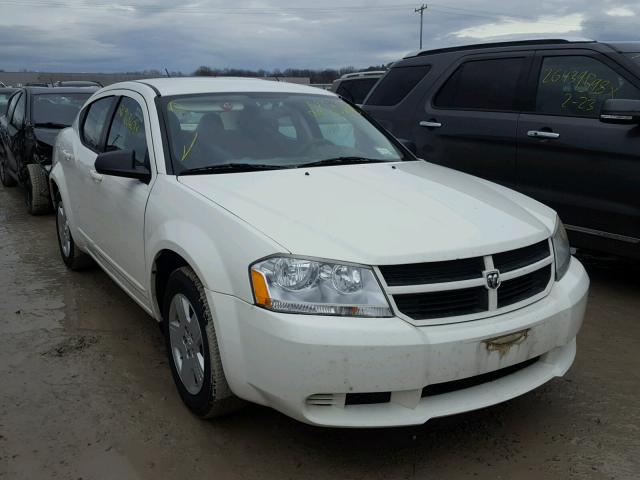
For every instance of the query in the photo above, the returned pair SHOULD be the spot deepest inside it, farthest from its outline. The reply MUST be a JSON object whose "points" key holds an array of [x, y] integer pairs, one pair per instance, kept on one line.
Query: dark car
{"points": [[78, 83], [354, 87], [5, 95], [28, 131], [557, 120]]}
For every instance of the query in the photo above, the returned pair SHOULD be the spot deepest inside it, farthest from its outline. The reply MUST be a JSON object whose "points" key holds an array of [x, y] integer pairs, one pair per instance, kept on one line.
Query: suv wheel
{"points": [[6, 179], [72, 257], [37, 190], [192, 347]]}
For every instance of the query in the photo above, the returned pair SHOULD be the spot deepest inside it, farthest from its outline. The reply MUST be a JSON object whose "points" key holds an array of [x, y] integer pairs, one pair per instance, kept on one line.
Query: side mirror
{"points": [[122, 163], [622, 111], [409, 145]]}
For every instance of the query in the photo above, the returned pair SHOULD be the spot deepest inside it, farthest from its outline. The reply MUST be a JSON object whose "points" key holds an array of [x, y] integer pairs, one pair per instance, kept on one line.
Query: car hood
{"points": [[380, 213]]}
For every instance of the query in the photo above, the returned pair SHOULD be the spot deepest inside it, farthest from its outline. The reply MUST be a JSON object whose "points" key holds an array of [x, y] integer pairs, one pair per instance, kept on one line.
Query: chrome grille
{"points": [[457, 290]]}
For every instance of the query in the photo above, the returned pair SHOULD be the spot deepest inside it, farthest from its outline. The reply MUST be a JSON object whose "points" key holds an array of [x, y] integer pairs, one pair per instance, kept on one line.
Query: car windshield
{"points": [[635, 56], [57, 110], [267, 130]]}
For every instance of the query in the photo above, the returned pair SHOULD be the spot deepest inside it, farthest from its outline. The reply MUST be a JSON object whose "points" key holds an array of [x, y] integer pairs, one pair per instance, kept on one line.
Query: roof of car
{"points": [[505, 44], [369, 73], [193, 85], [41, 90]]}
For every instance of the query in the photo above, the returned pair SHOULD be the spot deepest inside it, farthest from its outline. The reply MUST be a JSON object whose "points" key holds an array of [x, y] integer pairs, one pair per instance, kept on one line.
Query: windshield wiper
{"points": [[50, 125], [230, 168], [340, 161]]}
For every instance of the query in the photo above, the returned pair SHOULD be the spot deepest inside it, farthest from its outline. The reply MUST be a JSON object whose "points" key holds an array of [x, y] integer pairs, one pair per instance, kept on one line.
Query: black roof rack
{"points": [[516, 43]]}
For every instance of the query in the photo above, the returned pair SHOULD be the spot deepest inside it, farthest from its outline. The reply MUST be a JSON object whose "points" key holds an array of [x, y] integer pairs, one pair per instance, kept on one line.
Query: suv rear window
{"points": [[396, 85], [483, 85]]}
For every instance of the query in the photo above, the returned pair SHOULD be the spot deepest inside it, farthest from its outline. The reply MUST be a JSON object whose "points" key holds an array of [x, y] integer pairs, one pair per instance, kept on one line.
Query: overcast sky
{"points": [[111, 36]]}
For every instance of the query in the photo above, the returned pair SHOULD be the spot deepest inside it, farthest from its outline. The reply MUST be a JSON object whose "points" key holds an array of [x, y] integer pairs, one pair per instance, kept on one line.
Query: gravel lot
{"points": [[86, 392]]}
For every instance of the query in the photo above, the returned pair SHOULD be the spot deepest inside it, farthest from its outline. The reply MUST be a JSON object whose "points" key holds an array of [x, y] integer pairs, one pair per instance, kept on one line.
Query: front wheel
{"points": [[192, 347], [37, 190], [73, 258]]}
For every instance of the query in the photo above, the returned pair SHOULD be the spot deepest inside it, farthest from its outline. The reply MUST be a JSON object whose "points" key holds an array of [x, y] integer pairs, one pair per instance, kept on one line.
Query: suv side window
{"points": [[127, 130], [483, 85], [17, 120], [577, 86], [94, 122], [396, 84]]}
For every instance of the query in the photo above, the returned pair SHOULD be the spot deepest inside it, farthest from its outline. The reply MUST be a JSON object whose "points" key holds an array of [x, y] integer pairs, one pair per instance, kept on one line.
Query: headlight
{"points": [[300, 285], [561, 249]]}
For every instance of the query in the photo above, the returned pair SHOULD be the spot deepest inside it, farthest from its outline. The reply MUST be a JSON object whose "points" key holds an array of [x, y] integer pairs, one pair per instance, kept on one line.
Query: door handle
{"points": [[95, 176], [430, 124], [541, 134]]}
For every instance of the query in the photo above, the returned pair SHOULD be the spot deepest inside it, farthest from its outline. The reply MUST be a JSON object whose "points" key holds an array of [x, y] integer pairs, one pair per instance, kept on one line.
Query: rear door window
{"points": [[577, 86], [95, 121], [356, 90], [490, 84], [17, 120], [396, 85], [12, 104], [127, 130]]}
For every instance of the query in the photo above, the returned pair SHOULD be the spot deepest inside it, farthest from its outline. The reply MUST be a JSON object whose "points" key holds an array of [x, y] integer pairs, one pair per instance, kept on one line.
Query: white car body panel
{"points": [[416, 212], [378, 214]]}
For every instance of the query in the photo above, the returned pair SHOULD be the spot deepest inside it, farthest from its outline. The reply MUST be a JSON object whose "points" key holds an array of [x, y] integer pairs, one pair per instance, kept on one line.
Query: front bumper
{"points": [[280, 360]]}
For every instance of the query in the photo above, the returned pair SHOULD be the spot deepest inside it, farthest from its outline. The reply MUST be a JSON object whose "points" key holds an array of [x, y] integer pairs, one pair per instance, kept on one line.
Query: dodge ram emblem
{"points": [[493, 279]]}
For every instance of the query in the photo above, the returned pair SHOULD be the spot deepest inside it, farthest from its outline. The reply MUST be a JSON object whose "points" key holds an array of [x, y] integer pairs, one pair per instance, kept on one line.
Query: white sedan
{"points": [[298, 256]]}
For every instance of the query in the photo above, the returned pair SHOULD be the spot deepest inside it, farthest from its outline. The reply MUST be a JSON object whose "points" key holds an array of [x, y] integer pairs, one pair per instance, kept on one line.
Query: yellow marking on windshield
{"points": [[187, 151]]}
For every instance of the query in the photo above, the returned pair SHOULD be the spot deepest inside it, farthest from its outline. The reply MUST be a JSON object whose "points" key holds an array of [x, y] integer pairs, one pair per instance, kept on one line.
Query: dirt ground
{"points": [[86, 392]]}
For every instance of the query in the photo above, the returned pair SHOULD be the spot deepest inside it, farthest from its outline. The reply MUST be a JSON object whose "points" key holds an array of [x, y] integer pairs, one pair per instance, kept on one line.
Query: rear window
{"points": [[396, 85], [356, 90], [483, 85], [51, 109]]}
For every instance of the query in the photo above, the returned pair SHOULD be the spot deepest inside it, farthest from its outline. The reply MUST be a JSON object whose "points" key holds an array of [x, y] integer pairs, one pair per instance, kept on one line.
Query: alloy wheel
{"points": [[186, 340], [64, 235]]}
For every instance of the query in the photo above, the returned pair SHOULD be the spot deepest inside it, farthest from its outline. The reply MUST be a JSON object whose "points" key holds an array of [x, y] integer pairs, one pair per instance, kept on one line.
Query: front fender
{"points": [[218, 245]]}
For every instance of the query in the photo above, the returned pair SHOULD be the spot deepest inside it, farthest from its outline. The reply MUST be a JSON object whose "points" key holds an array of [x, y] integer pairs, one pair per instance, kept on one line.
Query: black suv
{"points": [[28, 131], [557, 120]]}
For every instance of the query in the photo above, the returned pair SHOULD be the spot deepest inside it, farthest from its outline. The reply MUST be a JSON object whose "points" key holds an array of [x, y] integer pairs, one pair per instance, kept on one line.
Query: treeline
{"points": [[326, 75]]}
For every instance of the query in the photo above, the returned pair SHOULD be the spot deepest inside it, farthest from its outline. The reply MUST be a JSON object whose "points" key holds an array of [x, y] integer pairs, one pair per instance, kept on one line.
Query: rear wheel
{"points": [[6, 179], [37, 190], [192, 347], [71, 256]]}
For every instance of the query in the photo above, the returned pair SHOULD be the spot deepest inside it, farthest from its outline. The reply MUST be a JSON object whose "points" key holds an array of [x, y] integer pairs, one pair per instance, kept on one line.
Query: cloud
{"points": [[620, 12], [128, 35], [542, 26]]}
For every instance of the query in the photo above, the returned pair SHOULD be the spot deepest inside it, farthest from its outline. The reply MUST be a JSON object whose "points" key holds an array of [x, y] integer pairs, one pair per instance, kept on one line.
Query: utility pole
{"points": [[421, 10]]}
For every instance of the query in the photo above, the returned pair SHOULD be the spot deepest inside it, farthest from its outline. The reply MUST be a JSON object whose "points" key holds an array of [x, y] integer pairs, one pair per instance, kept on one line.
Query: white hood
{"points": [[375, 214]]}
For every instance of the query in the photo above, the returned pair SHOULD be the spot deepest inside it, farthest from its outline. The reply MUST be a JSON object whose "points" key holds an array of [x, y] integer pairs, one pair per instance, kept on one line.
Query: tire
{"points": [[5, 177], [37, 190], [192, 347], [72, 257]]}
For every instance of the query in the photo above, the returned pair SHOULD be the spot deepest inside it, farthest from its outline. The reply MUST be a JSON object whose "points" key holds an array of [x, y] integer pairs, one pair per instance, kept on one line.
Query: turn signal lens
{"points": [[260, 289]]}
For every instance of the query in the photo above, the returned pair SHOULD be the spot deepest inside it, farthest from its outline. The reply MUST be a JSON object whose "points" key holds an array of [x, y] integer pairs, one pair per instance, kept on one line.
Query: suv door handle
{"points": [[97, 177], [430, 124], [540, 134]]}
